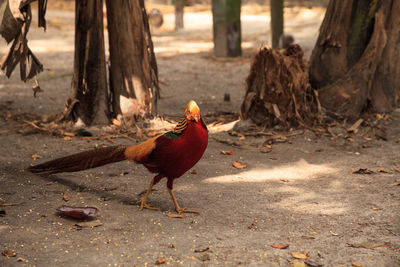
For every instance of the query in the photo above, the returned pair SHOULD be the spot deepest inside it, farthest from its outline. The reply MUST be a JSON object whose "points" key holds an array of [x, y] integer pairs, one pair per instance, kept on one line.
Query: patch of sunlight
{"points": [[51, 45], [300, 170], [296, 197], [188, 47], [307, 201]]}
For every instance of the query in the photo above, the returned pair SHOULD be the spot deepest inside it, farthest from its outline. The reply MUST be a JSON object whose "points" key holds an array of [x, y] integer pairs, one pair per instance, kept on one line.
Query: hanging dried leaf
{"points": [[36, 89], [280, 246], [238, 165]]}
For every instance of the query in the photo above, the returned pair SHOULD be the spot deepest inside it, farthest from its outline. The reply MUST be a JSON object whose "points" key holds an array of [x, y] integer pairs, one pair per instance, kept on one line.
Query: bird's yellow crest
{"points": [[192, 111]]}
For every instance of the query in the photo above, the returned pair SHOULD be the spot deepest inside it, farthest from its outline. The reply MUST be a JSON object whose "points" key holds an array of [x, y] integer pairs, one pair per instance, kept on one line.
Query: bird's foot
{"points": [[144, 205], [183, 210]]}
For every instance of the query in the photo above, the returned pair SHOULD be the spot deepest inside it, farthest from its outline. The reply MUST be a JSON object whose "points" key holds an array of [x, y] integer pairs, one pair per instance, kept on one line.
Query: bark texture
{"points": [[227, 28], [354, 62], [278, 91], [276, 21], [133, 68], [89, 81], [179, 6]]}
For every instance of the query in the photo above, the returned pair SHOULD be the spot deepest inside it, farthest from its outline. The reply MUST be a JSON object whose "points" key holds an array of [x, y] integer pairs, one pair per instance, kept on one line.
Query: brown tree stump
{"points": [[278, 91]]}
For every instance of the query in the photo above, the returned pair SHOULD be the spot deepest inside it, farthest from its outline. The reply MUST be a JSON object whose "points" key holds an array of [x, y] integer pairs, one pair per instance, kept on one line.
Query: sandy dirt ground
{"points": [[302, 193]]}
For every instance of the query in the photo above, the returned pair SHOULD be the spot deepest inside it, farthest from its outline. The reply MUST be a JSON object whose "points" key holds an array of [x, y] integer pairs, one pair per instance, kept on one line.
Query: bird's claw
{"points": [[183, 210], [144, 205]]}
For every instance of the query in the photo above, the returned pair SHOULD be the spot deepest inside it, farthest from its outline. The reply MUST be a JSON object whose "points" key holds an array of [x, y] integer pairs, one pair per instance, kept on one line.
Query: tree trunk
{"points": [[89, 80], [179, 5], [276, 21], [133, 70], [354, 64], [227, 28]]}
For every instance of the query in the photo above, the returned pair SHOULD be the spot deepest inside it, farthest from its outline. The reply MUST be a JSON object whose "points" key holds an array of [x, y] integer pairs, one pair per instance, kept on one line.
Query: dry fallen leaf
{"points": [[201, 250], [265, 150], [227, 152], [389, 246], [67, 138], [9, 253], [21, 259], [172, 215], [205, 257], [69, 134], [297, 263], [298, 255], [36, 156], [280, 246], [356, 264], [238, 165], [159, 261], [116, 122], [354, 127], [362, 171], [193, 171], [368, 245], [284, 180], [396, 183], [397, 169], [65, 197], [381, 169]]}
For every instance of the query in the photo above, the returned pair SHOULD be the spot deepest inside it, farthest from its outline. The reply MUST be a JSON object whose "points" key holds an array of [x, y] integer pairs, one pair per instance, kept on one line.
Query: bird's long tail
{"points": [[82, 161]]}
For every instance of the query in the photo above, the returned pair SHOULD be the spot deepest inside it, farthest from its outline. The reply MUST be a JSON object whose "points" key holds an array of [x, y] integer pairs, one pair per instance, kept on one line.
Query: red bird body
{"points": [[169, 155]]}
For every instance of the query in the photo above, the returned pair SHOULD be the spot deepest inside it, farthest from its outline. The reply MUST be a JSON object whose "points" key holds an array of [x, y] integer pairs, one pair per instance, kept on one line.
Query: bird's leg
{"points": [[177, 208], [143, 200]]}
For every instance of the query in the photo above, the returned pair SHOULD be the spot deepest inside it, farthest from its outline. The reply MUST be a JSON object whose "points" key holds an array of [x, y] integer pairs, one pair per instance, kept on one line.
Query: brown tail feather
{"points": [[82, 161]]}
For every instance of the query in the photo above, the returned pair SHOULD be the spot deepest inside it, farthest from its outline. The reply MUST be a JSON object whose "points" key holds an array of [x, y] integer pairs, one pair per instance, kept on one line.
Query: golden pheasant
{"points": [[169, 155]]}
